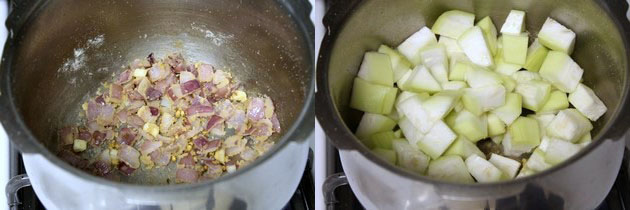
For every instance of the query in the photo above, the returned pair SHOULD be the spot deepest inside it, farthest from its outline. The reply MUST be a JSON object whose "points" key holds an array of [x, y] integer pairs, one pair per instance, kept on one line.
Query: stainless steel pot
{"points": [[602, 49], [268, 45]]}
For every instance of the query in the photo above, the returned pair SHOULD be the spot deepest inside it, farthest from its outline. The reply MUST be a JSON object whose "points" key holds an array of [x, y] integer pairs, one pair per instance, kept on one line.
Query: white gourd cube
{"points": [[569, 125], [483, 170], [585, 101], [419, 40], [556, 36], [514, 23]]}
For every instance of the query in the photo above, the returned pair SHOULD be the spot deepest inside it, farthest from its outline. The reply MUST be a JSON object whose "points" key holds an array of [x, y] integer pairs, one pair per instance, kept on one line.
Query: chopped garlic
{"points": [[220, 156], [139, 73], [84, 106], [79, 145], [231, 168], [113, 155], [151, 128], [239, 96]]}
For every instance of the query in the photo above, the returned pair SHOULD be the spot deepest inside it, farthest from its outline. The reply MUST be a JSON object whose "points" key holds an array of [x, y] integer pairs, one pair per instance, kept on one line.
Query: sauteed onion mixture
{"points": [[167, 112]]}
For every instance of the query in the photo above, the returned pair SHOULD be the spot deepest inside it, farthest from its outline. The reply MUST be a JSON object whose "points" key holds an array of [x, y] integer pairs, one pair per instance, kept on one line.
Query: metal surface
{"points": [[355, 27], [52, 62], [15, 183]]}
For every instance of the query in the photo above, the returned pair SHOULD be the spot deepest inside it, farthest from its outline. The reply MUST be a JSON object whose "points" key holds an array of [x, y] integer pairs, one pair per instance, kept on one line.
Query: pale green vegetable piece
{"points": [[585, 101], [509, 150], [394, 115], [411, 47], [463, 148], [473, 127], [400, 64], [556, 36], [536, 161], [459, 65], [559, 69], [569, 125], [525, 171], [510, 110], [508, 166], [524, 133], [413, 109], [544, 143], [410, 158], [376, 68], [475, 47], [483, 170], [437, 140], [477, 78], [386, 154], [515, 49], [372, 98], [452, 48], [585, 140], [503, 67], [508, 83], [440, 104], [497, 139], [495, 125], [514, 23], [489, 32], [557, 101], [454, 85], [381, 140], [525, 76], [450, 168], [536, 54], [373, 123], [483, 99], [453, 23], [398, 133], [421, 80], [412, 134], [435, 59], [543, 121], [535, 93], [406, 94], [560, 150]]}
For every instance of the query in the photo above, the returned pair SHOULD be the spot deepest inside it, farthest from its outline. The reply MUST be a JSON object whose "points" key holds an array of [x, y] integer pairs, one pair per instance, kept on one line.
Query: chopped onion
{"points": [[129, 155], [186, 175]]}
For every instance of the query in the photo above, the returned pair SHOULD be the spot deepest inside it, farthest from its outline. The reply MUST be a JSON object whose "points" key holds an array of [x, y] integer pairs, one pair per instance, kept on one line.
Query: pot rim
{"points": [[17, 130], [334, 126]]}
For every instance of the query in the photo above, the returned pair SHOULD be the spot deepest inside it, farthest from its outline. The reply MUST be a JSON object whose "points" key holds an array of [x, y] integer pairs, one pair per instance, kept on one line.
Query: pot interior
{"points": [[599, 47], [67, 49]]}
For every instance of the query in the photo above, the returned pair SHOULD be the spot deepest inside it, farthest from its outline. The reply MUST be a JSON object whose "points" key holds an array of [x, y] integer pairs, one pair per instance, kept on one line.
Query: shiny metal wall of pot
{"points": [[49, 66], [603, 36]]}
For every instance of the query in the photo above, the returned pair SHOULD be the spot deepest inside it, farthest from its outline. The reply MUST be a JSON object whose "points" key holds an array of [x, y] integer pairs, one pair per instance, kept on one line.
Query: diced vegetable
{"points": [[411, 47], [406, 94], [440, 104], [544, 143], [413, 109], [535, 93], [477, 78], [410, 158], [543, 121], [508, 149], [373, 123], [420, 80], [560, 150], [515, 48], [536, 54], [437, 140], [453, 23], [508, 166], [508, 83], [556, 36], [559, 69], [372, 98], [497, 139], [412, 134], [585, 101], [569, 125], [400, 64], [556, 102], [459, 65], [377, 69], [514, 23], [510, 110], [463, 148], [474, 45], [525, 76], [79, 145], [452, 48], [450, 168], [479, 100], [454, 85], [386, 154], [503, 67], [398, 133], [524, 133], [525, 172], [435, 59], [585, 140], [537, 161], [489, 32], [495, 125], [482, 170], [381, 140], [473, 127]]}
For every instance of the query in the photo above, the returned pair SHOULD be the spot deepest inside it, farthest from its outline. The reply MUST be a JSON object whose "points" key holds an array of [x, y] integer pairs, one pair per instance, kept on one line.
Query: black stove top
{"points": [[617, 199], [303, 198]]}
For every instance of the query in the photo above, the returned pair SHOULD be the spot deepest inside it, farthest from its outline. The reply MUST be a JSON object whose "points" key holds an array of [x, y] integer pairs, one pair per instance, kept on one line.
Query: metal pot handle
{"points": [[15, 184], [332, 182]]}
